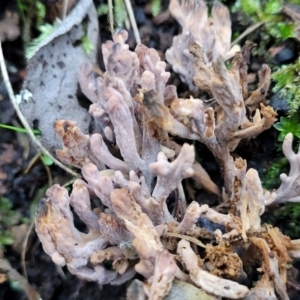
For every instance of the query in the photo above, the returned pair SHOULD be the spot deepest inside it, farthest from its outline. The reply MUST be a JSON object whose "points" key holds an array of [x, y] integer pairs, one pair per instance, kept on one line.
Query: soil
{"points": [[23, 185]]}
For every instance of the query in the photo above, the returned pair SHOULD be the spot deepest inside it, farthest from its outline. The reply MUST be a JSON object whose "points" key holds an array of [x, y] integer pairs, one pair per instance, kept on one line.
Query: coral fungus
{"points": [[133, 164]]}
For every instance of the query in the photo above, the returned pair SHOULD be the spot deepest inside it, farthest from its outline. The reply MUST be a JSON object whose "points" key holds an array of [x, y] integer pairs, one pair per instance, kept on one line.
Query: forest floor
{"points": [[24, 176]]}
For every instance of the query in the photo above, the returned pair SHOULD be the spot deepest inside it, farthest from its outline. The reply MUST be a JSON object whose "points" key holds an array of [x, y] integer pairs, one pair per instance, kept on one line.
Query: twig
{"points": [[133, 21], [111, 17], [27, 22], [14, 275], [69, 182], [47, 169], [246, 32], [64, 10], [22, 118], [127, 22], [60, 272], [24, 246], [31, 163], [36, 198], [182, 199]]}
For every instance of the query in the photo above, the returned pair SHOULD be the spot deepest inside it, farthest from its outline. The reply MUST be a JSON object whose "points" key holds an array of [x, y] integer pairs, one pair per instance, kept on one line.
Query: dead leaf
{"points": [[53, 70]]}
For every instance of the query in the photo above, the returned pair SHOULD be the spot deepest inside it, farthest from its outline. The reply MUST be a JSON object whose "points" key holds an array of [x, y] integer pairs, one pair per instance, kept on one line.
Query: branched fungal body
{"points": [[139, 115]]}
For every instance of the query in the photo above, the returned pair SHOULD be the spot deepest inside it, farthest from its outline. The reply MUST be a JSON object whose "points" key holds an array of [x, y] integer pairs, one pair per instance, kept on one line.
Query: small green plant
{"points": [[32, 13], [24, 7], [287, 80], [287, 217], [41, 13], [155, 7], [47, 160], [268, 12], [288, 125], [87, 45], [102, 9], [45, 29]]}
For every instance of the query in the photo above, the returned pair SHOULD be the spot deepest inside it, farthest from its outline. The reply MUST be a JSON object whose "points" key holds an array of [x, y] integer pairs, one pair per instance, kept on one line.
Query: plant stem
{"points": [[246, 32], [19, 129], [133, 21], [111, 17]]}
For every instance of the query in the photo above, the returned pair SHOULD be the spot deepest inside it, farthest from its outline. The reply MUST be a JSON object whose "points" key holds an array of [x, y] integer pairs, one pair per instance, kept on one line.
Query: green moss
{"points": [[287, 80], [102, 9], [288, 219], [268, 12], [270, 177], [8, 218], [119, 13]]}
